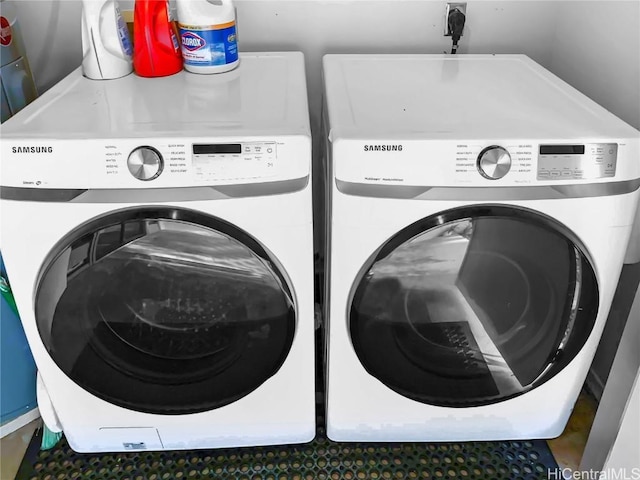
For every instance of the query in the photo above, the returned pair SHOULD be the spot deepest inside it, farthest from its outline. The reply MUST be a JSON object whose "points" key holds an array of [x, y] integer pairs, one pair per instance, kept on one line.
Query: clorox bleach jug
{"points": [[156, 51], [106, 46], [208, 35]]}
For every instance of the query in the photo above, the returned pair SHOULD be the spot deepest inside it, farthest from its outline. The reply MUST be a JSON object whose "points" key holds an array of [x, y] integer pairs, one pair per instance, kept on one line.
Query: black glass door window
{"points": [[165, 311], [473, 306]]}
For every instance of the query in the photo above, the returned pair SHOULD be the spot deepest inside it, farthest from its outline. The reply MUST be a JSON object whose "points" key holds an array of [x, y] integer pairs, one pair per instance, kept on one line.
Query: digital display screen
{"points": [[219, 148], [561, 149]]}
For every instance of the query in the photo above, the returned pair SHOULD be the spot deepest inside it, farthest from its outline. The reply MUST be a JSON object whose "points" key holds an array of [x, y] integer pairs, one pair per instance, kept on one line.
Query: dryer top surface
{"points": [[265, 95], [460, 97]]}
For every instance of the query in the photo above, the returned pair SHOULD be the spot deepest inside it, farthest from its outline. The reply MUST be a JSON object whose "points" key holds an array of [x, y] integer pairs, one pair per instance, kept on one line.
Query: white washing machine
{"points": [[157, 234], [479, 212]]}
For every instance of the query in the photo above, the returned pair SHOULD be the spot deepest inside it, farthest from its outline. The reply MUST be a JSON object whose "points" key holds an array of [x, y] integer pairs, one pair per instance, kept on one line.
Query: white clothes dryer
{"points": [[157, 234], [479, 211]]}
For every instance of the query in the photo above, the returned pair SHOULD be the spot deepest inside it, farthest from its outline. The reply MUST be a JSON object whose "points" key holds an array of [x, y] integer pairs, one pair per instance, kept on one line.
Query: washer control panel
{"points": [[155, 162], [210, 161], [576, 162], [231, 161]]}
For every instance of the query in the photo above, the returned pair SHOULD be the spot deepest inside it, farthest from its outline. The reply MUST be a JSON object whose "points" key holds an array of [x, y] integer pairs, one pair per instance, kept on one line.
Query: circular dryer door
{"points": [[473, 306], [165, 310]]}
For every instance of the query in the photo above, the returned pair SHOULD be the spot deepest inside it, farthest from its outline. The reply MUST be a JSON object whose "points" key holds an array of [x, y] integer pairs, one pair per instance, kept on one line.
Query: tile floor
{"points": [[567, 449], [12, 448]]}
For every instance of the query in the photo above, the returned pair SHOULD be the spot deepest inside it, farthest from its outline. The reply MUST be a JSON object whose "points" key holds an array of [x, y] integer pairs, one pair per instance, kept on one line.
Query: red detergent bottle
{"points": [[156, 51]]}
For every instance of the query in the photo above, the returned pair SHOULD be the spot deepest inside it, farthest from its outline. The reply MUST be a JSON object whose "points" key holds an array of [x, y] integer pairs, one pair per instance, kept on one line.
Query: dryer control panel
{"points": [[491, 162], [583, 161]]}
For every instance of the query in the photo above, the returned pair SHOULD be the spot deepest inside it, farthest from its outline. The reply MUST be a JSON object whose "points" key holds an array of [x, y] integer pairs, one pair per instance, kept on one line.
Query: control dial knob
{"points": [[494, 162], [145, 163]]}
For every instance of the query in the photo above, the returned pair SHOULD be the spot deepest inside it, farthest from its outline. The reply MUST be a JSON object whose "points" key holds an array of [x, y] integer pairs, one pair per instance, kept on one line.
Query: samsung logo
{"points": [[383, 148], [32, 149]]}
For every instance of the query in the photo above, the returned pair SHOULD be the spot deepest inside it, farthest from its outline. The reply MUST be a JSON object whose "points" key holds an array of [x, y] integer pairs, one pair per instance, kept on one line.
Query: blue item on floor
{"points": [[49, 439], [18, 371]]}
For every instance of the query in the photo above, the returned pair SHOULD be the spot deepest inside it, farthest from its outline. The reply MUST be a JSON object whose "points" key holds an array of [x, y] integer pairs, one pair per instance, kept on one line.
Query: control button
{"points": [[269, 150], [494, 162], [555, 173], [145, 163], [543, 173], [566, 173]]}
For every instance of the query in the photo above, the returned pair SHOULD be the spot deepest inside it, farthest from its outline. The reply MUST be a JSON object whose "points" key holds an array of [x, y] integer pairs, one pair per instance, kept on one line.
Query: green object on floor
{"points": [[49, 439], [5, 290]]}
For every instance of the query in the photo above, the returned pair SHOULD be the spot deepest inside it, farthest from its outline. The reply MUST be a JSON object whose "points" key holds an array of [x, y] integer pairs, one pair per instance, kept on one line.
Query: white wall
{"points": [[400, 26], [51, 31], [593, 45], [597, 50], [317, 27]]}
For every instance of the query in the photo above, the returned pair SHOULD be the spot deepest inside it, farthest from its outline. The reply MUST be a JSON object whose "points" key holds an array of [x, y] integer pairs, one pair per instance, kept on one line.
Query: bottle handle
{"points": [[219, 3]]}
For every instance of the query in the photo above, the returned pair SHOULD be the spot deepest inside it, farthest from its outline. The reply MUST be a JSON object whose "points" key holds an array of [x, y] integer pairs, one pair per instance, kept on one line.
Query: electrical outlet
{"points": [[450, 6]]}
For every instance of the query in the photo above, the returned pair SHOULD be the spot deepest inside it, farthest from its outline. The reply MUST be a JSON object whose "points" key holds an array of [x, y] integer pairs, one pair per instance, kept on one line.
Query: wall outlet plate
{"points": [[462, 6]]}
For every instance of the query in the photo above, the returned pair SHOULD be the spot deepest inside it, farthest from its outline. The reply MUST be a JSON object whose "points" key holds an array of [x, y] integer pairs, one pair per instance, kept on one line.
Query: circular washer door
{"points": [[165, 310], [473, 306]]}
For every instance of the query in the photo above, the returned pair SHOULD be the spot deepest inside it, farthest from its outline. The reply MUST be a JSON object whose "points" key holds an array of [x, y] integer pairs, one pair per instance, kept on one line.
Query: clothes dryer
{"points": [[479, 211], [158, 237]]}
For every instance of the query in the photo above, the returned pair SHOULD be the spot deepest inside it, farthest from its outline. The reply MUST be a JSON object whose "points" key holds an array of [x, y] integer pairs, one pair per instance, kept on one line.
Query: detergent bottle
{"points": [[208, 35], [106, 46], [17, 88], [156, 51]]}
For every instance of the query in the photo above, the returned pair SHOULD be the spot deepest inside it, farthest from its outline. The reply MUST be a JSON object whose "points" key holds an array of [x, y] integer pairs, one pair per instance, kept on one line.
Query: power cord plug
{"points": [[456, 25]]}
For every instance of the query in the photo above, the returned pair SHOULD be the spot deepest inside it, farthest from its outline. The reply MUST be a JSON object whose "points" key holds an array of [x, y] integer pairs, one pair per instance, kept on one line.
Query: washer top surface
{"points": [[265, 95], [458, 97]]}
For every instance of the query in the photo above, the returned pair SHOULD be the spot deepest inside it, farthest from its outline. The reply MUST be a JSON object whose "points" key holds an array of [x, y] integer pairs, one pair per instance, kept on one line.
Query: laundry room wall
{"points": [[51, 33], [591, 44], [400, 26], [596, 48]]}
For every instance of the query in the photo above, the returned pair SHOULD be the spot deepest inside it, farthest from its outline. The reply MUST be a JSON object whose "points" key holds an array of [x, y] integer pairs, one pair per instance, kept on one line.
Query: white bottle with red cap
{"points": [[106, 46]]}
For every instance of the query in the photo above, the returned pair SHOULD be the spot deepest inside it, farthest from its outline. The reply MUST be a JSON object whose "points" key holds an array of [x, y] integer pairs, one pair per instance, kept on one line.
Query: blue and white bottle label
{"points": [[209, 46], [123, 33]]}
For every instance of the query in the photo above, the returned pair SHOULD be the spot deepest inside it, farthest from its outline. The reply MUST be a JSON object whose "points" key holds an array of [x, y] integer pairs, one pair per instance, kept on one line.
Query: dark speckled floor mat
{"points": [[321, 459]]}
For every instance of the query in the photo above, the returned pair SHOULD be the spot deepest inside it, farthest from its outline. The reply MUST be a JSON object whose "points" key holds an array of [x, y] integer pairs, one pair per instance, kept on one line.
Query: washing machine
{"points": [[157, 235], [479, 211]]}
